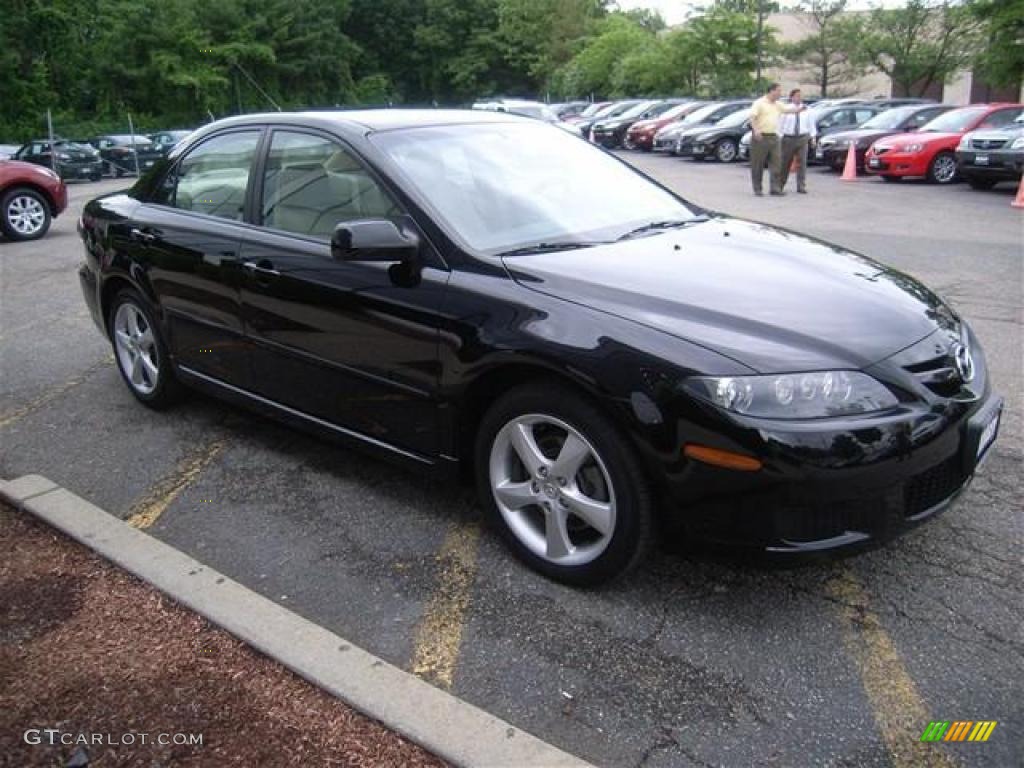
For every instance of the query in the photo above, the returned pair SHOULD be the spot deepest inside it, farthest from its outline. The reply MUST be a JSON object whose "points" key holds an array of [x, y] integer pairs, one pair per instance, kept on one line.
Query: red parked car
{"points": [[641, 134], [30, 197], [930, 151]]}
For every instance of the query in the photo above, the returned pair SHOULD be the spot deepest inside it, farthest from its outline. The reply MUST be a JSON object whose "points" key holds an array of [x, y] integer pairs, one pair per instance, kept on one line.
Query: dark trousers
{"points": [[795, 147], [765, 151]]}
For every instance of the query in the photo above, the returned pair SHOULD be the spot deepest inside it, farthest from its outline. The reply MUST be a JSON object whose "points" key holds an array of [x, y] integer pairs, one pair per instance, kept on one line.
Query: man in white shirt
{"points": [[798, 135]]}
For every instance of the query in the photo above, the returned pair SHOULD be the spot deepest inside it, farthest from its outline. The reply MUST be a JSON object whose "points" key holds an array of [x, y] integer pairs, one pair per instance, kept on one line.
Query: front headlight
{"points": [[812, 395], [912, 148], [1018, 143]]}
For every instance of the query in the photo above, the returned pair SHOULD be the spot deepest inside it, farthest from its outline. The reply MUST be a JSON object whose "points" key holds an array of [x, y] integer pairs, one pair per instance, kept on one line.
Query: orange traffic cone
{"points": [[850, 169], [1018, 201]]}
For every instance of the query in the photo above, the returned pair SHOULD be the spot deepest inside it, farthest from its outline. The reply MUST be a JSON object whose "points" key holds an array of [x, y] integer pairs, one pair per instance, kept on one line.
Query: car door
{"points": [[187, 236], [351, 343]]}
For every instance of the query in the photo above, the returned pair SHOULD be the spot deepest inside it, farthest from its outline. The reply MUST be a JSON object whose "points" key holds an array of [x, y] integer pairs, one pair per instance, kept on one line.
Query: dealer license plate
{"points": [[981, 159], [874, 162]]}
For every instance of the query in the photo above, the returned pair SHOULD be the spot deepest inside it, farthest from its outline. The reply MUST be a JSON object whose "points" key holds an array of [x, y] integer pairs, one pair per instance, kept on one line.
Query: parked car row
{"points": [[114, 155], [891, 138]]}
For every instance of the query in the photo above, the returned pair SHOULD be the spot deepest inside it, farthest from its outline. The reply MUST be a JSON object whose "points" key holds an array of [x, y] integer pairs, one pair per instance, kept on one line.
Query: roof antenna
{"points": [[256, 86]]}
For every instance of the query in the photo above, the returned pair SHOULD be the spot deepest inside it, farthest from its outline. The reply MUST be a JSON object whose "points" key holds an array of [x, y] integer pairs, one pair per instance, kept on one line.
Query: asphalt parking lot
{"points": [[691, 661]]}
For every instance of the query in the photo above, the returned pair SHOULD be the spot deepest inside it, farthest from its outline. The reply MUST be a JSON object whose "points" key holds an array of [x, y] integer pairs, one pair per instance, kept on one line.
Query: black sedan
{"points": [[165, 140], [611, 133], [72, 160], [721, 141], [124, 154], [844, 117], [832, 149], [704, 120], [483, 295]]}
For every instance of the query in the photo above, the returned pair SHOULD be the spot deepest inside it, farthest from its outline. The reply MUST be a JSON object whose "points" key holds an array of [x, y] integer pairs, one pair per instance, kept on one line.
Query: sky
{"points": [[675, 11]]}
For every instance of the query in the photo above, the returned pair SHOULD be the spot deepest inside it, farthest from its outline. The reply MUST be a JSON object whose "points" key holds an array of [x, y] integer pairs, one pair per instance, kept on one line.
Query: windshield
{"points": [[140, 141], [637, 110], [593, 109], [891, 118], [700, 115], [734, 119], [675, 111], [614, 110], [502, 186], [956, 121]]}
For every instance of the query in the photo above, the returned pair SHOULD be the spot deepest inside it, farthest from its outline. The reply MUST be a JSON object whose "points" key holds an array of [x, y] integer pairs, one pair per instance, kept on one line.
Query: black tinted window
{"points": [[311, 184], [212, 178]]}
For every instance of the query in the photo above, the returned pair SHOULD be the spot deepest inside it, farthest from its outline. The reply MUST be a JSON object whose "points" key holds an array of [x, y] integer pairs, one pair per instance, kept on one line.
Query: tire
{"points": [[942, 169], [140, 352], [24, 214], [980, 183], [605, 482], [726, 151]]}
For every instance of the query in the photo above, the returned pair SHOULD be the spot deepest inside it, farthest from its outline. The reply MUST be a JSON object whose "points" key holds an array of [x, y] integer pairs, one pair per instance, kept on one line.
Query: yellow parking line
{"points": [[439, 634], [6, 419], [147, 510], [899, 711]]}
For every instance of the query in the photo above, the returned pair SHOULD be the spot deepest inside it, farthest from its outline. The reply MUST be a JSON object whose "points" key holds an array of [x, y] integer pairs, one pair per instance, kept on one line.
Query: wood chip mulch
{"points": [[98, 655]]}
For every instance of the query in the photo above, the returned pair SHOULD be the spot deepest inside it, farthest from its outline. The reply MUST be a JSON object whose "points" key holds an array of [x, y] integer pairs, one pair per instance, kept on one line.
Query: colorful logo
{"points": [[959, 730]]}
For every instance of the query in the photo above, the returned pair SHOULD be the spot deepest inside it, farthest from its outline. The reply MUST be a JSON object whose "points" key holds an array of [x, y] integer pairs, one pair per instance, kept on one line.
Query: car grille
{"points": [[987, 143], [938, 374], [802, 524], [932, 486]]}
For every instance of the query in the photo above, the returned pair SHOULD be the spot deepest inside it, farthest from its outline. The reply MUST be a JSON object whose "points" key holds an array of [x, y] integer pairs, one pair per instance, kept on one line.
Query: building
{"points": [[963, 88]]}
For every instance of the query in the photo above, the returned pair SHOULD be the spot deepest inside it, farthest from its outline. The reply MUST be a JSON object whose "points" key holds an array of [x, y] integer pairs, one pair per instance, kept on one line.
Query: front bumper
{"points": [[640, 140], [834, 156], [1001, 164], [86, 170], [893, 163], [845, 487], [664, 145]]}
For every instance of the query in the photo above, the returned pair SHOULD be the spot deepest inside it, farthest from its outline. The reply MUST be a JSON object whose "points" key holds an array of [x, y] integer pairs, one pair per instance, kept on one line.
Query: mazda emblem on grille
{"points": [[963, 361]]}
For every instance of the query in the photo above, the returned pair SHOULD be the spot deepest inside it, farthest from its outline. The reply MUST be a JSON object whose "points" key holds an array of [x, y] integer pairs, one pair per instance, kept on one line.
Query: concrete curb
{"points": [[452, 729]]}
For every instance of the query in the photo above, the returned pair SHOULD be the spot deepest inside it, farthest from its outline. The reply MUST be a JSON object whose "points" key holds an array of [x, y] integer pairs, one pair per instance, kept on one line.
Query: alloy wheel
{"points": [[26, 215], [726, 152], [136, 348], [944, 169], [553, 489]]}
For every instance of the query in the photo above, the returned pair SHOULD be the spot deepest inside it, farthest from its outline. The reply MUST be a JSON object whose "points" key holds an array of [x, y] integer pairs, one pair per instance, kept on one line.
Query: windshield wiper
{"points": [[548, 247], [660, 225]]}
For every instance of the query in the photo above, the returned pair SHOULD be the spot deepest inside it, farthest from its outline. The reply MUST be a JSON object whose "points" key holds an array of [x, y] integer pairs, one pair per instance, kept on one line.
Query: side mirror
{"points": [[373, 240]]}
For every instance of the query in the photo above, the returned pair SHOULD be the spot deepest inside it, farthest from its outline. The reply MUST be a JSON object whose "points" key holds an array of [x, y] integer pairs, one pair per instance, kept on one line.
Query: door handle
{"points": [[261, 269], [143, 236]]}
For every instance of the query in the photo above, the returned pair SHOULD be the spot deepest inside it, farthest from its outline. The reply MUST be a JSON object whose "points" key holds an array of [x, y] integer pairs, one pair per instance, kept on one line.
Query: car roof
{"points": [[375, 119]]}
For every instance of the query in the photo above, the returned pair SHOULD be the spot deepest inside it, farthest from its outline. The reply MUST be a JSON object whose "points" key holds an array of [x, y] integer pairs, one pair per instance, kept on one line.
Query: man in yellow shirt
{"points": [[764, 140]]}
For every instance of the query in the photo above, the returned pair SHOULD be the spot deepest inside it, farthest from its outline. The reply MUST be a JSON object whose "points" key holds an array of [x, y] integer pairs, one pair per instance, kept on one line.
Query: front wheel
{"points": [[725, 151], [942, 169], [24, 214], [562, 486], [141, 352]]}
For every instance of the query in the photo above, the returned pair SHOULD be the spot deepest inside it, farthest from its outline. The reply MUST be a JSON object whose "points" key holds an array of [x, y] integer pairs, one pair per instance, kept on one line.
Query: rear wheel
{"points": [[561, 484], [141, 352], [942, 169], [979, 183], [24, 214]]}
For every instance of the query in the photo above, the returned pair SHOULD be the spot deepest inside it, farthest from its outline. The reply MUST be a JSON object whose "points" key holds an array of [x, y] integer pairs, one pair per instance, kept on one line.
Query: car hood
{"points": [[771, 299], [921, 137], [646, 125], [693, 130], [871, 134]]}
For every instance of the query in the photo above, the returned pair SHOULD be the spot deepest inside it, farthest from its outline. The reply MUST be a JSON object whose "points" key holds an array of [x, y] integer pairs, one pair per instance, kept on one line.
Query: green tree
{"points": [[920, 44], [1001, 59], [829, 53]]}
